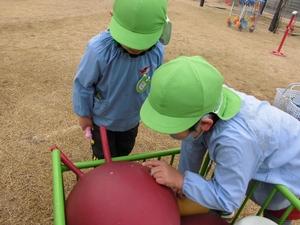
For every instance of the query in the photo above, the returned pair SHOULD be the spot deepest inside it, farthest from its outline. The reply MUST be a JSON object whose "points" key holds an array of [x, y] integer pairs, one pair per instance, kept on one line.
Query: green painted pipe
{"points": [[267, 201], [134, 157], [285, 214], [289, 195], [58, 191]]}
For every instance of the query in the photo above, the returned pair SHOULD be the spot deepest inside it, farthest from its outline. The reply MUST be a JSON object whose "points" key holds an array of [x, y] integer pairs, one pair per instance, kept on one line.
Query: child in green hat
{"points": [[113, 77], [248, 139]]}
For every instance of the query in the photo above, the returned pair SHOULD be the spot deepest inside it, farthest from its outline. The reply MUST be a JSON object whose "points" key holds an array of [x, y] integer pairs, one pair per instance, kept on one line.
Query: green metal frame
{"points": [[59, 196], [58, 169], [295, 202]]}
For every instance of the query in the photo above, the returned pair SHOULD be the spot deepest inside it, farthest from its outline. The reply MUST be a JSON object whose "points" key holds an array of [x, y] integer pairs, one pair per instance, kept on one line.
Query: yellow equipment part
{"points": [[188, 207]]}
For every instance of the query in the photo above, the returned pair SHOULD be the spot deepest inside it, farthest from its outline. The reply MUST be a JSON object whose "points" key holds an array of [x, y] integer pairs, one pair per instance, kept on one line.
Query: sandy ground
{"points": [[41, 43]]}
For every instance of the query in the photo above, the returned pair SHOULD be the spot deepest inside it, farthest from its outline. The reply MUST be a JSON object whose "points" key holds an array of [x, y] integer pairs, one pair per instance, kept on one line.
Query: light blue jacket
{"points": [[261, 142], [105, 82]]}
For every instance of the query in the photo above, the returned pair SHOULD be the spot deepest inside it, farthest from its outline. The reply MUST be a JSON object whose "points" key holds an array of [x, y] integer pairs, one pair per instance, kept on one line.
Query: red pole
{"points": [[105, 145], [288, 28], [68, 162], [70, 165]]}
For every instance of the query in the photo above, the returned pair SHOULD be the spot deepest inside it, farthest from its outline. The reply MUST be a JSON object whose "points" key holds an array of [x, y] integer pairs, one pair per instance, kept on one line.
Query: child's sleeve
{"points": [[235, 167], [161, 53], [191, 155], [88, 74]]}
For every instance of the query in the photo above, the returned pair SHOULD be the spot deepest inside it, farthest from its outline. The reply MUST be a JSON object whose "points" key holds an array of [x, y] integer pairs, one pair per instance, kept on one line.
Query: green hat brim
{"points": [[171, 125], [165, 124], [131, 39]]}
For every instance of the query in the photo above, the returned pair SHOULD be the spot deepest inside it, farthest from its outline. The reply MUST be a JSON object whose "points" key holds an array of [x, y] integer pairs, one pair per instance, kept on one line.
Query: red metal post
{"points": [[287, 31], [70, 165], [67, 162], [105, 145]]}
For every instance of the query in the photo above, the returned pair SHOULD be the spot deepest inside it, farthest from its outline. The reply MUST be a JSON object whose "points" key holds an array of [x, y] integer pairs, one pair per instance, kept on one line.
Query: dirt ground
{"points": [[41, 43]]}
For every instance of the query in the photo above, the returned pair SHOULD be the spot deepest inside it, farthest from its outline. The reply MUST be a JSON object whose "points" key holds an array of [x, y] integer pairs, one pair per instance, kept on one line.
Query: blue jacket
{"points": [[105, 82], [261, 143]]}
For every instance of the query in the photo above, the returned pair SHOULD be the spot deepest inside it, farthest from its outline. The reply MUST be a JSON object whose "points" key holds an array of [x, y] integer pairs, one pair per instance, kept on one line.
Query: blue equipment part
{"points": [[250, 2]]}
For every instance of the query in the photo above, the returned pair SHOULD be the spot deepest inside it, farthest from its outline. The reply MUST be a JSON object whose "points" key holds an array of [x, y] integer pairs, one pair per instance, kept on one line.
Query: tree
{"points": [[263, 7], [202, 3], [275, 21]]}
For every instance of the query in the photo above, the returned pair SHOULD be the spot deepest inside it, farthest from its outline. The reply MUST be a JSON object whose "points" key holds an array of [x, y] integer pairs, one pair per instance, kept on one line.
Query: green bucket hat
{"points": [[138, 24], [184, 90]]}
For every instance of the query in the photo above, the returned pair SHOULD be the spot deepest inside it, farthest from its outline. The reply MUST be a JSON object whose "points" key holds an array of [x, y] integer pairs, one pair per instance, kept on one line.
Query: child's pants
{"points": [[120, 143]]}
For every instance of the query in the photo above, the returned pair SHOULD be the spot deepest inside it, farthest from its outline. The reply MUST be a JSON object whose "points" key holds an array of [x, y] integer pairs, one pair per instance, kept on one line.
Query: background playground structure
{"points": [[289, 29], [244, 14]]}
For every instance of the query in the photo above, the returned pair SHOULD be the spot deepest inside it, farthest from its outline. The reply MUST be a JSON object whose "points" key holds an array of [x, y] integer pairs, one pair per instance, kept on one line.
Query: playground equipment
{"points": [[251, 220], [208, 218], [168, 155], [289, 29], [119, 193], [249, 12]]}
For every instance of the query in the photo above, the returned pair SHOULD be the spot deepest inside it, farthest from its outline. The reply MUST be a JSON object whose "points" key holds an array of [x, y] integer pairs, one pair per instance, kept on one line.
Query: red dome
{"points": [[121, 193]]}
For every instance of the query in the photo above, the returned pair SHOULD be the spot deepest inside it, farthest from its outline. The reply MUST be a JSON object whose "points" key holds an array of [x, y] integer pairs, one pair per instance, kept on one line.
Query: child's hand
{"points": [[85, 122], [165, 174]]}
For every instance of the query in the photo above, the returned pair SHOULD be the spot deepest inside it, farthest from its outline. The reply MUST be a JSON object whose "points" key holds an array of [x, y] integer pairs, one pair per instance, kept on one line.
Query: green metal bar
{"points": [[289, 195], [250, 193], [208, 169], [63, 186], [172, 159], [134, 157], [58, 193], [267, 202], [286, 214], [204, 165]]}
